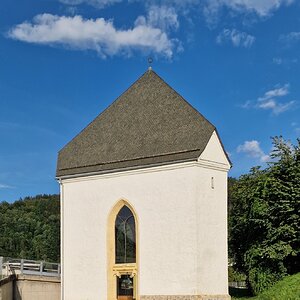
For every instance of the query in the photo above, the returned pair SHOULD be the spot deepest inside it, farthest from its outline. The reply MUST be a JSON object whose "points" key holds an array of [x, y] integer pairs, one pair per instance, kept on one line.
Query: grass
{"points": [[286, 289]]}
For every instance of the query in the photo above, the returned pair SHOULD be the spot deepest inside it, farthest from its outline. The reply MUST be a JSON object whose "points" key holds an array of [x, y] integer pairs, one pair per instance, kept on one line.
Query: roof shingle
{"points": [[149, 123]]}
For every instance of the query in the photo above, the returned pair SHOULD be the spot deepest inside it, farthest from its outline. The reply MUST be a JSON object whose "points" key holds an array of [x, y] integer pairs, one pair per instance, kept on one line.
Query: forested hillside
{"points": [[30, 228]]}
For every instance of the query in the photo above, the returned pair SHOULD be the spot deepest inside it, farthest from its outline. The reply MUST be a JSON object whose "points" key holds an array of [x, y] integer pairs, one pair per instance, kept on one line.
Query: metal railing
{"points": [[238, 284], [10, 266]]}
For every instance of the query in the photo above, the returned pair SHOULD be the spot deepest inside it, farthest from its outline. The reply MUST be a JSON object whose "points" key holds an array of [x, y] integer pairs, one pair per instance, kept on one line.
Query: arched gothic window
{"points": [[125, 236]]}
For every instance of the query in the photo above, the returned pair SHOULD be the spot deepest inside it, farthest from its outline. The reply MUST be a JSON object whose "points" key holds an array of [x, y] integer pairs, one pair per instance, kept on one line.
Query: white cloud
{"points": [[291, 37], [93, 34], [277, 92], [210, 8], [284, 61], [236, 37], [261, 8], [277, 108], [247, 104], [177, 3], [253, 149], [95, 3], [295, 127], [5, 186], [163, 17], [71, 10], [269, 100]]}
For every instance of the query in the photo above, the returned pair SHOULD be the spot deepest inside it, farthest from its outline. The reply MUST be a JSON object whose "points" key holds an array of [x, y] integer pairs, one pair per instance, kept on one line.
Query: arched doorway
{"points": [[122, 253]]}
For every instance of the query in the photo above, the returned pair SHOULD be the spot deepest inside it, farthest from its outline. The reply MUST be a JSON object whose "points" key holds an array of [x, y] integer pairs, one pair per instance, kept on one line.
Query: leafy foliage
{"points": [[264, 218], [235, 276], [30, 228]]}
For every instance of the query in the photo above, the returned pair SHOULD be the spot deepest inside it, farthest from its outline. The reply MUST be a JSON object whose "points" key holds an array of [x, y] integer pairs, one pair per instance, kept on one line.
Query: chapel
{"points": [[144, 201]]}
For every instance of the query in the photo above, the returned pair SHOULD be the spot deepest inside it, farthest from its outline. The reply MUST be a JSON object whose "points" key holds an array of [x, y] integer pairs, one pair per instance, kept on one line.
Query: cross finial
{"points": [[150, 61]]}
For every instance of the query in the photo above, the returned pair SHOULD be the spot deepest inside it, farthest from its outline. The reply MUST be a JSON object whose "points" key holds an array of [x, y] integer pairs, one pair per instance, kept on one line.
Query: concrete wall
{"points": [[182, 217], [36, 288], [6, 288], [27, 287]]}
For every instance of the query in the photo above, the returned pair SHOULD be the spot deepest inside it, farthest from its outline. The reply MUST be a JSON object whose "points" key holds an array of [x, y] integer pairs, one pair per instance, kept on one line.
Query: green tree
{"points": [[264, 218], [30, 228]]}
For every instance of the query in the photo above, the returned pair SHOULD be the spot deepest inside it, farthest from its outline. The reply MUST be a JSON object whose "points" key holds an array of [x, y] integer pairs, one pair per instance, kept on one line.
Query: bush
{"points": [[235, 276], [261, 280]]}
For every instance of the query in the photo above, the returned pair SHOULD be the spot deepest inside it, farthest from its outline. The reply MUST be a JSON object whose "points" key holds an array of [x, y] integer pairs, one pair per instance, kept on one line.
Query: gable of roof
{"points": [[150, 123]]}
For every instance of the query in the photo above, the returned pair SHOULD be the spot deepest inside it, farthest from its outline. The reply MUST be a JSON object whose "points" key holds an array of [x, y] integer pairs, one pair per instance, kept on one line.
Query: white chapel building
{"points": [[144, 201]]}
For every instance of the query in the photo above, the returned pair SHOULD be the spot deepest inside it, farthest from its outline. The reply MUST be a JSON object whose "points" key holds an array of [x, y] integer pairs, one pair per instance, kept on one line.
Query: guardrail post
{"points": [[41, 268], [1, 266], [22, 266], [58, 270]]}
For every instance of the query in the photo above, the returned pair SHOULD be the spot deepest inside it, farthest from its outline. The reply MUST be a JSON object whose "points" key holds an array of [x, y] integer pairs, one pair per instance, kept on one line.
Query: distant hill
{"points": [[30, 228]]}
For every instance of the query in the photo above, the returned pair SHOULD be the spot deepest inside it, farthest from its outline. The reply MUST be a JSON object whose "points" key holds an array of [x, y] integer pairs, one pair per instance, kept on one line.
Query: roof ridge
{"points": [[184, 99]]}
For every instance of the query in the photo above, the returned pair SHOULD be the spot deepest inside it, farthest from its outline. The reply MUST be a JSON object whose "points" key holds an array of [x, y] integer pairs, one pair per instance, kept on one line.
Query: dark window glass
{"points": [[125, 236], [125, 286]]}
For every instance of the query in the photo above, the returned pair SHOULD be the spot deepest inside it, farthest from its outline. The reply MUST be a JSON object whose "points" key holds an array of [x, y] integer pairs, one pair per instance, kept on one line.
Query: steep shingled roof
{"points": [[150, 123]]}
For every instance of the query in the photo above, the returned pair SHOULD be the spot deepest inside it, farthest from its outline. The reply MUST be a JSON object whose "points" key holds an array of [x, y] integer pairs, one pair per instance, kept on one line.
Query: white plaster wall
{"points": [[214, 152], [167, 233], [163, 239], [212, 261], [212, 232], [182, 226]]}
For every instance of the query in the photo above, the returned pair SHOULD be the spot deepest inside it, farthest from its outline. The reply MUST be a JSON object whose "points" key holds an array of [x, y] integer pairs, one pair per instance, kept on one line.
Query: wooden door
{"points": [[125, 287], [125, 298]]}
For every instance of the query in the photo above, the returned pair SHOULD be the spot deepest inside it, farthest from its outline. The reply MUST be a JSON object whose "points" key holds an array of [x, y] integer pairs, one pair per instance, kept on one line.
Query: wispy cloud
{"points": [[270, 100], [260, 8], [95, 3], [150, 32], [284, 61], [296, 127], [210, 8], [277, 60], [99, 35], [247, 104], [71, 10], [163, 17], [6, 186], [277, 108], [236, 37], [253, 149], [290, 37], [277, 92]]}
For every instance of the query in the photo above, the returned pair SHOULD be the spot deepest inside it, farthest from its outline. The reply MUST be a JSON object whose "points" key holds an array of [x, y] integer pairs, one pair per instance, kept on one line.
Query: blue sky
{"points": [[63, 61]]}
